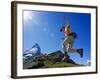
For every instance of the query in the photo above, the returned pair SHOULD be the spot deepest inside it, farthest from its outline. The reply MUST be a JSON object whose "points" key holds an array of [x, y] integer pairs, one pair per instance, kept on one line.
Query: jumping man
{"points": [[69, 40]]}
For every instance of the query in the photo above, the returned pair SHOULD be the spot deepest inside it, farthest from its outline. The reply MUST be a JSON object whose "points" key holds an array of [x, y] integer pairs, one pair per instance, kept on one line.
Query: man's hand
{"points": [[65, 19], [67, 22]]}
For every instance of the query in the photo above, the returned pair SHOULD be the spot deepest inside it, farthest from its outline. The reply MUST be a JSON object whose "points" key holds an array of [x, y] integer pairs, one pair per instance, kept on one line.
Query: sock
{"points": [[65, 53], [77, 50]]}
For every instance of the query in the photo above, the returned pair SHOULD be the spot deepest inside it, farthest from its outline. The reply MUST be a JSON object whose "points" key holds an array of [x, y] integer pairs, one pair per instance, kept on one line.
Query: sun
{"points": [[27, 15], [30, 17]]}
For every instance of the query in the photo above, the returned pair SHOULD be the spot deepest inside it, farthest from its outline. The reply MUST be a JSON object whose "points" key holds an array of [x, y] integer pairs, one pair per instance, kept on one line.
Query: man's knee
{"points": [[64, 44], [69, 49]]}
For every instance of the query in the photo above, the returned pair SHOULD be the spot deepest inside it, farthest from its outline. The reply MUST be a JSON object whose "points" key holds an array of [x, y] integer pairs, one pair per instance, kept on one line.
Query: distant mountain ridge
{"points": [[35, 50]]}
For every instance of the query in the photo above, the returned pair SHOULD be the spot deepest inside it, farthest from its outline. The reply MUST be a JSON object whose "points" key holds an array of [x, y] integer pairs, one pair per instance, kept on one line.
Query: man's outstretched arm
{"points": [[67, 27]]}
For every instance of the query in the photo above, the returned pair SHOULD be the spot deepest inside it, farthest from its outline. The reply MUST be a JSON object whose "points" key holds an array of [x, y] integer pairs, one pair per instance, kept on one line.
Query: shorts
{"points": [[69, 40]]}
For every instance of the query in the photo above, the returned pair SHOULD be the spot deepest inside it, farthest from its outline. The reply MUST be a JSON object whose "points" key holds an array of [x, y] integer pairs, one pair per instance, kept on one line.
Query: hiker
{"points": [[69, 40]]}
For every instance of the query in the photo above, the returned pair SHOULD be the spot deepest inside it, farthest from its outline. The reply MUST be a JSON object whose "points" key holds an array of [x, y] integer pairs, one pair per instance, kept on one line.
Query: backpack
{"points": [[73, 34]]}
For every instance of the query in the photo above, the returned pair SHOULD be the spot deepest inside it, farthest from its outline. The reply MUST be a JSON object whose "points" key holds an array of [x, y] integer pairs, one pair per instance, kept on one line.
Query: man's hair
{"points": [[63, 27]]}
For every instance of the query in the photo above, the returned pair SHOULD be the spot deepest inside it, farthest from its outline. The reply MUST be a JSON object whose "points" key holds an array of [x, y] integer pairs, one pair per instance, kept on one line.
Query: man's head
{"points": [[62, 29]]}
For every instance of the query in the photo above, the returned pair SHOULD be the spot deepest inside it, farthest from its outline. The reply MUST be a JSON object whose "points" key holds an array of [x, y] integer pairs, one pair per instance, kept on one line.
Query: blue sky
{"points": [[43, 27]]}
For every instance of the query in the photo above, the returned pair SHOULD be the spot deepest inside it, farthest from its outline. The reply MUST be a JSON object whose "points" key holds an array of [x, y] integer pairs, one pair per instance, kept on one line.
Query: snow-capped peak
{"points": [[34, 51]]}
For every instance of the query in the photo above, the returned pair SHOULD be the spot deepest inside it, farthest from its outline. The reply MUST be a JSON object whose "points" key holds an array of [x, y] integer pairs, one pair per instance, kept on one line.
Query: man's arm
{"points": [[67, 27]]}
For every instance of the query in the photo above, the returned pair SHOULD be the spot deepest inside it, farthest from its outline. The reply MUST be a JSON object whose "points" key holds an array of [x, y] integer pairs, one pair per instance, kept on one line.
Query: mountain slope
{"points": [[51, 60]]}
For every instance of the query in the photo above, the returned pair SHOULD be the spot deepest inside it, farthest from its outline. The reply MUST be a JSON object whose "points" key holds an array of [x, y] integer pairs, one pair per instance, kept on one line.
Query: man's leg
{"points": [[65, 42], [70, 48], [64, 49], [70, 41], [80, 51]]}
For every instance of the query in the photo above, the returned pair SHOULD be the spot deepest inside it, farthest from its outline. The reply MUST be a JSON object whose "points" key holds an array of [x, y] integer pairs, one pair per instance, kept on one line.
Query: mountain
{"points": [[35, 50], [50, 60], [58, 55]]}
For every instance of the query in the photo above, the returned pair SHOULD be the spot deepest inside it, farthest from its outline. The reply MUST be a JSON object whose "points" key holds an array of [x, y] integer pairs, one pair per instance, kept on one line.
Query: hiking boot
{"points": [[65, 57], [80, 51]]}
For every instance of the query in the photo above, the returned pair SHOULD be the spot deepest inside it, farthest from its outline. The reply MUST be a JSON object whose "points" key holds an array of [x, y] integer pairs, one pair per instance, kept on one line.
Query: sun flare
{"points": [[27, 15]]}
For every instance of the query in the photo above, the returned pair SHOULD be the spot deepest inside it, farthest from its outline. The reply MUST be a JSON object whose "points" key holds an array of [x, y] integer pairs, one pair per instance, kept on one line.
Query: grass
{"points": [[60, 64]]}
